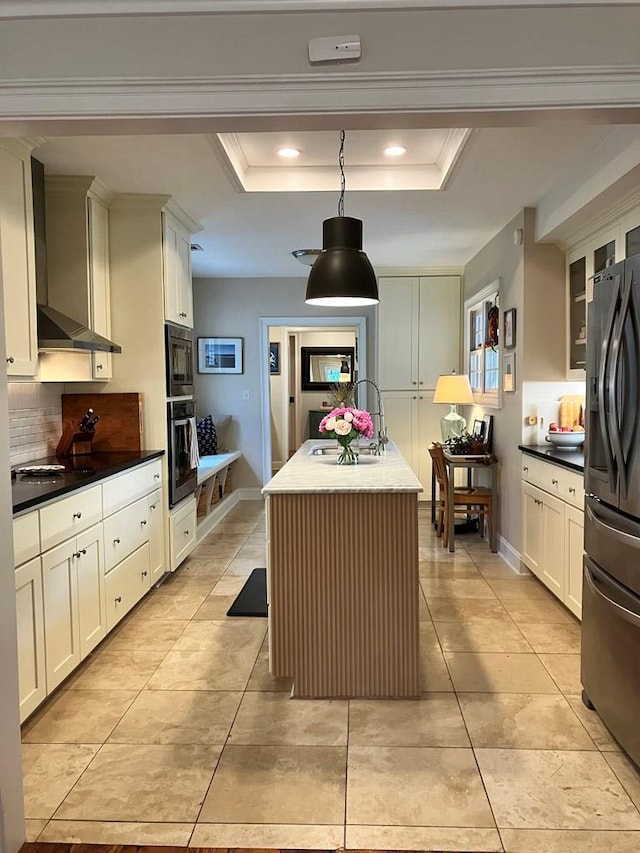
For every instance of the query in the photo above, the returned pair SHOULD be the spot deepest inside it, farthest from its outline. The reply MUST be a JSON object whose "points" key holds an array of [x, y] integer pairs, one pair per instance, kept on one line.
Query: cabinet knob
{"points": [[118, 599], [10, 359], [554, 482], [77, 515], [525, 468], [414, 382], [421, 382], [156, 476], [143, 522], [572, 491], [98, 367], [153, 506], [79, 553], [116, 541], [145, 573], [186, 532]]}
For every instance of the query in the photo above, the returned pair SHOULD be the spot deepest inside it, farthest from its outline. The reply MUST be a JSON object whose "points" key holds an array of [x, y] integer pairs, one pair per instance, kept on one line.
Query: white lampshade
{"points": [[453, 388]]}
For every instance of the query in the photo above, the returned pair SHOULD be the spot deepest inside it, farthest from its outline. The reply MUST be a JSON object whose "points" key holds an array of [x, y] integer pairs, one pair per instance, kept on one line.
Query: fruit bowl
{"points": [[568, 440]]}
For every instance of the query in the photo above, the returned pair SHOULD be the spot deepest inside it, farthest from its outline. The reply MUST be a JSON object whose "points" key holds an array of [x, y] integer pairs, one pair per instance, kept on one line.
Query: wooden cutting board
{"points": [[120, 424], [571, 406]]}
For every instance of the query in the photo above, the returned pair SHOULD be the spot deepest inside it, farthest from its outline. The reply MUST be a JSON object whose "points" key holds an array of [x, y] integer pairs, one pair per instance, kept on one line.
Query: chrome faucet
{"points": [[383, 439]]}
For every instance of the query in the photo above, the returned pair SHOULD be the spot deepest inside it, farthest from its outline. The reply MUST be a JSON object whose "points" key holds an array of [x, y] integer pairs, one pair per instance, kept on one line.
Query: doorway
{"points": [[284, 408]]}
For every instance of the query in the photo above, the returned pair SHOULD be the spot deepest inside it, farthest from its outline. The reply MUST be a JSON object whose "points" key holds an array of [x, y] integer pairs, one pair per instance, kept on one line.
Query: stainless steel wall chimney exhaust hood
{"points": [[56, 331]]}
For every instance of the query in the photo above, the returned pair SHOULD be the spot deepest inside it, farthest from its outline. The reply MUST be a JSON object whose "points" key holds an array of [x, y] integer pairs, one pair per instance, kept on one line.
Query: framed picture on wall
{"points": [[220, 355], [509, 328], [509, 372], [274, 358]]}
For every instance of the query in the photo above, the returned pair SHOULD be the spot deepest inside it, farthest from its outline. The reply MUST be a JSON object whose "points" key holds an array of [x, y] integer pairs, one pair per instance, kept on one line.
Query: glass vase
{"points": [[348, 453]]}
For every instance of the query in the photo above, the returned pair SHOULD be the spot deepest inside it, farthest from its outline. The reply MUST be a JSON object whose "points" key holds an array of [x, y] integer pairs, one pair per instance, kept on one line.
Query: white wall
{"points": [[278, 391], [232, 308]]}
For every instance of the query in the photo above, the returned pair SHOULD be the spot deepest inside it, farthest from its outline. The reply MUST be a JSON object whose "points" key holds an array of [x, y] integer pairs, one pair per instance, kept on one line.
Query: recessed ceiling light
{"points": [[395, 151], [288, 153]]}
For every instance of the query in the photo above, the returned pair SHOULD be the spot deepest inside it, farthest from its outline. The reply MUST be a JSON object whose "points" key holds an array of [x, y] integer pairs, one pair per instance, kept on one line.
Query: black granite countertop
{"points": [[573, 458], [29, 491]]}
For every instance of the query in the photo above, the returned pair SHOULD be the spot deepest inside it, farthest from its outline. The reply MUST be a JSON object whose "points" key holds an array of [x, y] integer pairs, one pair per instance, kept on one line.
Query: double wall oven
{"points": [[183, 474]]}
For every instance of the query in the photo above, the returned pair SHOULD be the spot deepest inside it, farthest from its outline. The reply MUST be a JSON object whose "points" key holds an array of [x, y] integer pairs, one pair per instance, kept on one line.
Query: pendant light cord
{"points": [[342, 178]]}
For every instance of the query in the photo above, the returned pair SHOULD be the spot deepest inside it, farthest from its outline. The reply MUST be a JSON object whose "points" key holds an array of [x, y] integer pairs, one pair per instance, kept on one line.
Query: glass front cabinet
{"points": [[607, 247]]}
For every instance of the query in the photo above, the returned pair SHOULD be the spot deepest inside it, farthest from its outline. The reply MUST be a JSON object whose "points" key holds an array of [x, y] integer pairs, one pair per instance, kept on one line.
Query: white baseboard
{"points": [[251, 494], [211, 521], [511, 556]]}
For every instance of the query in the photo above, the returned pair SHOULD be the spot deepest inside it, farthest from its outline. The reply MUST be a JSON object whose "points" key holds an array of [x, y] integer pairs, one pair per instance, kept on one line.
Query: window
{"points": [[482, 350]]}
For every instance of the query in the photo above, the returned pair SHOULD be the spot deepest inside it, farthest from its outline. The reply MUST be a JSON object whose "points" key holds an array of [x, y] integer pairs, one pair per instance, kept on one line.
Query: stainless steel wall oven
{"points": [[183, 474]]}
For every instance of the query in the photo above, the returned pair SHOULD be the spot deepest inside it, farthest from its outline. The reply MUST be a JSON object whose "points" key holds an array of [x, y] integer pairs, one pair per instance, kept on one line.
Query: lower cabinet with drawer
{"points": [[82, 562], [552, 529], [182, 531], [126, 584]]}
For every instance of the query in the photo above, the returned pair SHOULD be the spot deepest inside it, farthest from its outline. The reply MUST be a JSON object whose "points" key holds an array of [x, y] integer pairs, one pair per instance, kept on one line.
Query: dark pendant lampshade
{"points": [[342, 274]]}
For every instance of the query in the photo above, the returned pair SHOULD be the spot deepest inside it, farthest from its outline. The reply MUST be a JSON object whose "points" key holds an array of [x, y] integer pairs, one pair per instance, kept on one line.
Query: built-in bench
{"points": [[214, 483]]}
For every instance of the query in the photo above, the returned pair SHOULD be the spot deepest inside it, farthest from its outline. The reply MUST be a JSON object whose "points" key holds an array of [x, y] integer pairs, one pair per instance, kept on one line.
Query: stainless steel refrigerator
{"points": [[611, 589]]}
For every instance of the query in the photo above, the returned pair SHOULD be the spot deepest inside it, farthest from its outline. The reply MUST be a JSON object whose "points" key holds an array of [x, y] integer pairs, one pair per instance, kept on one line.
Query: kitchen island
{"points": [[342, 574]]}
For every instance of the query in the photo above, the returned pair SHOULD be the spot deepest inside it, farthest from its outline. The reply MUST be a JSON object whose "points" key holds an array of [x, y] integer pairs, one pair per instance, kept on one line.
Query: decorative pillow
{"points": [[221, 423], [207, 437]]}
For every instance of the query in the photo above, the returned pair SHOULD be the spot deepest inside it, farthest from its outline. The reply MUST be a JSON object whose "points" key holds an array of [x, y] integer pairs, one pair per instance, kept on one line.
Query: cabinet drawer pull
{"points": [[98, 367], [116, 541], [10, 359], [143, 522], [554, 482], [118, 599], [77, 515]]}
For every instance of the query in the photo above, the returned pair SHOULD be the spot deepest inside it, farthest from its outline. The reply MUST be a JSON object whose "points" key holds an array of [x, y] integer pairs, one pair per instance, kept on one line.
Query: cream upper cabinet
{"points": [[419, 330], [77, 213], [17, 257], [178, 294], [413, 422]]}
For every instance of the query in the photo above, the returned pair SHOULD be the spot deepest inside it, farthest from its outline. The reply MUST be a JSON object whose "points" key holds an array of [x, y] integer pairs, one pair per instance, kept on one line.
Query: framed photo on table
{"points": [[509, 328], [220, 355]]}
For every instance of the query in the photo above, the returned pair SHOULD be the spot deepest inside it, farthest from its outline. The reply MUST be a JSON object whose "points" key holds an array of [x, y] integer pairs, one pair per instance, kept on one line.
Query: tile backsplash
{"points": [[35, 418]]}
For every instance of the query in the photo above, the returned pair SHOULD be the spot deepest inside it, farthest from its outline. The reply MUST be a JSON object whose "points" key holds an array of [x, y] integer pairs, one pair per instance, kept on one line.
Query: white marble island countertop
{"points": [[312, 474]]}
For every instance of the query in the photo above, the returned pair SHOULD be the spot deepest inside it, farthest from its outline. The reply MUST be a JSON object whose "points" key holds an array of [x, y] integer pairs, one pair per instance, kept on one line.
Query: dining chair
{"points": [[466, 499]]}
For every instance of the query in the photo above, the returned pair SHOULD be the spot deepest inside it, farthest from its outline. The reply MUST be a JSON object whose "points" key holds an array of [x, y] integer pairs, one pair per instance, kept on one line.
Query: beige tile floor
{"points": [[174, 733]]}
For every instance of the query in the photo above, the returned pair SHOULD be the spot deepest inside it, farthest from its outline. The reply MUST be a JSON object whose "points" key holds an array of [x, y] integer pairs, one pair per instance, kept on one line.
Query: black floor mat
{"points": [[252, 598]]}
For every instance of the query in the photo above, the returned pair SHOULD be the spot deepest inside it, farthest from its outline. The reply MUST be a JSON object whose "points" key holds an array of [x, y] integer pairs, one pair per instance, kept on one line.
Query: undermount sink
{"points": [[332, 450]]}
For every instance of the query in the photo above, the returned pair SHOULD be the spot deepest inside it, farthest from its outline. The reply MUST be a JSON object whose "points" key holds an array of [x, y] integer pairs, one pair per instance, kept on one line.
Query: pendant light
{"points": [[342, 274]]}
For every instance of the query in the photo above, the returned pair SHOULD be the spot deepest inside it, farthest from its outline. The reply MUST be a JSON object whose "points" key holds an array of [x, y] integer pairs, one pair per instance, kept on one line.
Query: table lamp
{"points": [[453, 389]]}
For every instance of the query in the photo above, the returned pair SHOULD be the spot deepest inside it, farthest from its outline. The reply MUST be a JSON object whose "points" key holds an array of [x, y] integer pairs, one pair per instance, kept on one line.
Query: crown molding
{"points": [[604, 219], [323, 93], [89, 8], [411, 272]]}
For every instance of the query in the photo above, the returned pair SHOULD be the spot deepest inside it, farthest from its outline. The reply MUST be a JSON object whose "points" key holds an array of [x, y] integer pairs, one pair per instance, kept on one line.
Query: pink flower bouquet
{"points": [[345, 424]]}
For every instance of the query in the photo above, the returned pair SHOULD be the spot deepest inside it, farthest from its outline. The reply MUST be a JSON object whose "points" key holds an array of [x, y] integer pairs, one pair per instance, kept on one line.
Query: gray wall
{"points": [[533, 282], [501, 259], [233, 308], [395, 40]]}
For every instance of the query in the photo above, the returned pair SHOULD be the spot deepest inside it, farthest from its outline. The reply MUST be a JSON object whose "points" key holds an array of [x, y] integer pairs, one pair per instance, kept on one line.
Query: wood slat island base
{"points": [[343, 589]]}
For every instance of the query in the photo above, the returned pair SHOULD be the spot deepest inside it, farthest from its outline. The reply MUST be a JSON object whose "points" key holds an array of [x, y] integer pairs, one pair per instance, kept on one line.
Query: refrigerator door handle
{"points": [[602, 377], [595, 519], [591, 572], [613, 379]]}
